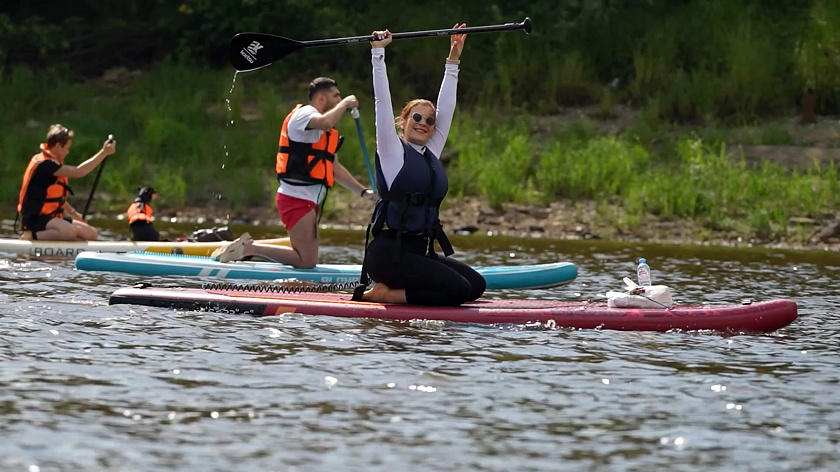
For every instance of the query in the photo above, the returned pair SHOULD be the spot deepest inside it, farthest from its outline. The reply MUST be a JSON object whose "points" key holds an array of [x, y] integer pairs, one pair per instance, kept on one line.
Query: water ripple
{"points": [[87, 386]]}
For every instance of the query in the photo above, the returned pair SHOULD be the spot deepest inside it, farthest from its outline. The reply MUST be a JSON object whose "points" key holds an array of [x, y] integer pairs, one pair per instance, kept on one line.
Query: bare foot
{"points": [[382, 293], [377, 293], [235, 250], [26, 236]]}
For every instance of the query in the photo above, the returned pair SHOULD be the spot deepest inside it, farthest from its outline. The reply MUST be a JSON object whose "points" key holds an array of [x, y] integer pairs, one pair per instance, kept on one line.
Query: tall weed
{"points": [[598, 167]]}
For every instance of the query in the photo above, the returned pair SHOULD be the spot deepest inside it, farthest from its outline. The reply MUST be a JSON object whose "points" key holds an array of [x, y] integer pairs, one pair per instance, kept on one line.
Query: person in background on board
{"points": [[412, 183], [43, 208], [140, 216], [307, 167]]}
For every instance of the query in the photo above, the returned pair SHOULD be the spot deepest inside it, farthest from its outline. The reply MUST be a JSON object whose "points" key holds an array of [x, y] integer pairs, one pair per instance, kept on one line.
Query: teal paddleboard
{"points": [[152, 264]]}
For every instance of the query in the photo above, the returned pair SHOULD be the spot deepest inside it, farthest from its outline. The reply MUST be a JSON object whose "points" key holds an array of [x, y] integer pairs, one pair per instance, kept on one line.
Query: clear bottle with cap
{"points": [[643, 273]]}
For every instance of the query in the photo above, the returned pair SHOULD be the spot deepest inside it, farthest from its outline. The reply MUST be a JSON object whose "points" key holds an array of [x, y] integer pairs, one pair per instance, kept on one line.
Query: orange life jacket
{"points": [[139, 211], [306, 163], [56, 195]]}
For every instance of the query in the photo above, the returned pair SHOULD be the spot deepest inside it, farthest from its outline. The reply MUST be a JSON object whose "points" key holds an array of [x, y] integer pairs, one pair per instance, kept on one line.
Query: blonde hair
{"points": [[403, 117]]}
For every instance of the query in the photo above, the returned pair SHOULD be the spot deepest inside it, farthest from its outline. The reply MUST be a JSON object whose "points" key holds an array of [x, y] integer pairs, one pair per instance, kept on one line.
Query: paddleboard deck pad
{"points": [[764, 316], [497, 277]]}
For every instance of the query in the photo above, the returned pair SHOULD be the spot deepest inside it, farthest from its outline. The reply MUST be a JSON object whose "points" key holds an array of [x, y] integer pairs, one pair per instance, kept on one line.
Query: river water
{"points": [[87, 386]]}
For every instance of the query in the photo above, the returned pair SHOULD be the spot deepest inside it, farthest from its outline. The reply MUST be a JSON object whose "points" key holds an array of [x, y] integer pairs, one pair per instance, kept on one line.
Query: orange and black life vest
{"points": [[139, 211], [56, 195], [306, 163]]}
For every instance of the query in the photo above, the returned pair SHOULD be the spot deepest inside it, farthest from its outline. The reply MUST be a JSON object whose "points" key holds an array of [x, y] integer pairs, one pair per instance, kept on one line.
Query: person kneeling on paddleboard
{"points": [[43, 208], [307, 167], [412, 183], [140, 216]]}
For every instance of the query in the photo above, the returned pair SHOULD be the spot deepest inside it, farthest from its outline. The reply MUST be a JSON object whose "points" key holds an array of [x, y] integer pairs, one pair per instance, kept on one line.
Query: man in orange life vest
{"points": [[42, 205], [306, 168], [140, 216]]}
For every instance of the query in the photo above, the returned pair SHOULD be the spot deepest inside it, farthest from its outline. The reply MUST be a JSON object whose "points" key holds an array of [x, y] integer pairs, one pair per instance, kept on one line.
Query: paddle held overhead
{"points": [[252, 51]]}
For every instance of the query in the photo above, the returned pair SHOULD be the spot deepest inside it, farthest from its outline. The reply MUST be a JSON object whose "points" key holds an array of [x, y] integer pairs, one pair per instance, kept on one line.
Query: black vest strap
{"points": [[375, 225], [441, 238], [298, 170]]}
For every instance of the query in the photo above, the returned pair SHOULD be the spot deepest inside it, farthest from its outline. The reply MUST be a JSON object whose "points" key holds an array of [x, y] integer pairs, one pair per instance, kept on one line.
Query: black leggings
{"points": [[36, 223], [427, 280]]}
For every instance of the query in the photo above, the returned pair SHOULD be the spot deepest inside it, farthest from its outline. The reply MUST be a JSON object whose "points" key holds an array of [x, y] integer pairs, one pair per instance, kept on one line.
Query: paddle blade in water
{"points": [[252, 51]]}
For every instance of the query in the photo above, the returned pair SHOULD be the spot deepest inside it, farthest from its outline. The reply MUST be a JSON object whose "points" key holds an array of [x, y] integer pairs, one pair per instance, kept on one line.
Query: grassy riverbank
{"points": [[204, 138], [633, 110]]}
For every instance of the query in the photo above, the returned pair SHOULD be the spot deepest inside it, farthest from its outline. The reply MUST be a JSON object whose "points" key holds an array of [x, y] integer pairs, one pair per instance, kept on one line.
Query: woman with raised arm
{"points": [[412, 183]]}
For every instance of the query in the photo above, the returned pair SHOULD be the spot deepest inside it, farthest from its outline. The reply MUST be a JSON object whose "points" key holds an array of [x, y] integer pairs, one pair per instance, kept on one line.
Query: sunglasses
{"points": [[417, 117]]}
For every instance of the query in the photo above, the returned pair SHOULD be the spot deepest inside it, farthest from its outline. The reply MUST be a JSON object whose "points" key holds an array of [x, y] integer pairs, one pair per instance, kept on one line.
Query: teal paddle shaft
{"points": [[355, 113]]}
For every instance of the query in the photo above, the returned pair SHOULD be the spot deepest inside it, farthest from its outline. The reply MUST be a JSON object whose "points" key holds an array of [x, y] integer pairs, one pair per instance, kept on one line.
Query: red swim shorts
{"points": [[292, 209]]}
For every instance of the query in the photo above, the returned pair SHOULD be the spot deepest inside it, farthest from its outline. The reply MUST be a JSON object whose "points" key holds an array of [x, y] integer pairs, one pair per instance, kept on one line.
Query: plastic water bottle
{"points": [[643, 271]]}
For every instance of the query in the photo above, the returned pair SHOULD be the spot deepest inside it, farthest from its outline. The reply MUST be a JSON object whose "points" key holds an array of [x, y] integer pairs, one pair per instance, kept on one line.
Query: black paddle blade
{"points": [[252, 51]]}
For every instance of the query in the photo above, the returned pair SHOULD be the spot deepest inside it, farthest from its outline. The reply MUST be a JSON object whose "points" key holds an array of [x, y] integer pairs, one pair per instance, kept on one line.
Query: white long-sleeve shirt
{"points": [[388, 145]]}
